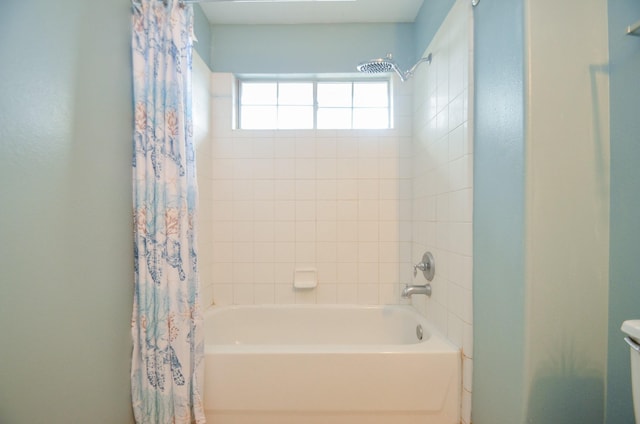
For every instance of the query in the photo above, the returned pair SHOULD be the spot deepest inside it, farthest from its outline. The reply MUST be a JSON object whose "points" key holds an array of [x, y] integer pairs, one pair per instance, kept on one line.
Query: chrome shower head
{"points": [[377, 66], [381, 65]]}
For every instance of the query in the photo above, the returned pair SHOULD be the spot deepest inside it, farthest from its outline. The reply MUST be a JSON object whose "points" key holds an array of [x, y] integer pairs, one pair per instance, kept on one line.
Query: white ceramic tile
{"points": [[327, 272], [455, 330], [222, 252], [222, 231], [368, 231], [389, 252], [305, 296], [222, 169], [284, 168], [327, 294], [368, 167], [326, 168], [263, 168], [467, 342], [305, 210], [326, 231], [467, 373], [284, 189], [284, 210], [305, 231], [221, 84], [264, 273], [242, 253], [283, 148], [243, 294], [326, 210], [284, 252], [264, 210], [326, 148], [263, 252], [347, 294], [326, 189], [347, 189], [305, 189], [264, 294], [242, 232], [368, 252], [305, 252], [389, 272], [305, 168], [242, 273], [305, 148], [347, 272], [222, 272], [389, 294], [368, 210], [346, 167], [466, 407], [368, 294], [347, 210], [283, 273], [284, 294], [223, 294]]}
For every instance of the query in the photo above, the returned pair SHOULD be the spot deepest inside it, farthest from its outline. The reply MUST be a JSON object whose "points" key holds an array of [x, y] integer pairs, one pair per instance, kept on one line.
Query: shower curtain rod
{"points": [[253, 1], [264, 1]]}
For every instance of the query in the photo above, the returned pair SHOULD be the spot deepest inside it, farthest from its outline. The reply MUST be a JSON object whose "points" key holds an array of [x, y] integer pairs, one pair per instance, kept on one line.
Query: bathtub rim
{"points": [[436, 343]]}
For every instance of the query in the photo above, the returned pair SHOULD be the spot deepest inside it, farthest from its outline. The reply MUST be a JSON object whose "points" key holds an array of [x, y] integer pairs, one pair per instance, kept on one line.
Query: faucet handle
{"points": [[427, 266]]}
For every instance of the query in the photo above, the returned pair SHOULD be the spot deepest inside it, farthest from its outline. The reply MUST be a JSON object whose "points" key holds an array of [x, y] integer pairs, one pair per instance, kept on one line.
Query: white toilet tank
{"points": [[632, 329]]}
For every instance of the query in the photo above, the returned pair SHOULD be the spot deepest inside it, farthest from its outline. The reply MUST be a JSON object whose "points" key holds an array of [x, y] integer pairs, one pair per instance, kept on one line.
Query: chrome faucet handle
{"points": [[420, 266], [427, 266]]}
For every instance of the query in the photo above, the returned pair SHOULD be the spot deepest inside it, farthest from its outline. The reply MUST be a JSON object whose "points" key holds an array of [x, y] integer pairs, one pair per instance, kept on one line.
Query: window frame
{"points": [[315, 106]]}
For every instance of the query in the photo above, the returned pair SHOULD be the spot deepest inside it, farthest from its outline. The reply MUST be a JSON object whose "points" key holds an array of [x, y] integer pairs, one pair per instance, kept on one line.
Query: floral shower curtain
{"points": [[166, 321]]}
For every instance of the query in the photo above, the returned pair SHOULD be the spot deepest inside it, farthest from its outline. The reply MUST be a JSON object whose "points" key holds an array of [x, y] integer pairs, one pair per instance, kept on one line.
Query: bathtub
{"points": [[295, 364]]}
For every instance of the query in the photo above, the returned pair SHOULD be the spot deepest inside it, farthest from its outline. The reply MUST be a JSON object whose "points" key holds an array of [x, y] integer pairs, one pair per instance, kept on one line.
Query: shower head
{"points": [[381, 65], [377, 66]]}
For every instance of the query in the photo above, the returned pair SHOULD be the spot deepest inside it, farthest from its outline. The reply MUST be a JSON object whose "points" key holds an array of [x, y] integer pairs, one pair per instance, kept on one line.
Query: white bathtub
{"points": [[328, 365]]}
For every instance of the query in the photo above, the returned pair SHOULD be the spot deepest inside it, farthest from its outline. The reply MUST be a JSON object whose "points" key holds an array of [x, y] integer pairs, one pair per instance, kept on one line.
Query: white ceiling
{"points": [[310, 12]]}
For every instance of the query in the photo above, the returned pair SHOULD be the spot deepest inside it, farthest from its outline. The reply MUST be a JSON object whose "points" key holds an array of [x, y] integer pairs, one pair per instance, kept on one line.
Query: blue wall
{"points": [[202, 30], [499, 214], [624, 290], [321, 48], [65, 222], [428, 21]]}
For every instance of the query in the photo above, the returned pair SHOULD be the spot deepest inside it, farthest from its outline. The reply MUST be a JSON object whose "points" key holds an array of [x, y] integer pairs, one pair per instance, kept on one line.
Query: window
{"points": [[314, 104]]}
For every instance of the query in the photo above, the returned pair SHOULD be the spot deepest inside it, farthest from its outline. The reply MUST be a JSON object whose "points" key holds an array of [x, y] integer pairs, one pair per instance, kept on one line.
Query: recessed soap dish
{"points": [[305, 278]]}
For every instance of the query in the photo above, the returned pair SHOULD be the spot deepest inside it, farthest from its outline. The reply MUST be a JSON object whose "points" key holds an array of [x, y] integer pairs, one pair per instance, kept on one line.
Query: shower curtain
{"points": [[166, 366]]}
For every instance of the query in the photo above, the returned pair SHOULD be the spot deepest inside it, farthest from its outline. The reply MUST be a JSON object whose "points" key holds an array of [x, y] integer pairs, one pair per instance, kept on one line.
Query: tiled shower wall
{"points": [[335, 201], [201, 97], [361, 207], [443, 183]]}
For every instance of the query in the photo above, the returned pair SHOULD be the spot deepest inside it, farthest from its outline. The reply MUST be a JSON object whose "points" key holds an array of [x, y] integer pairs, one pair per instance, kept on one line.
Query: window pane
{"points": [[334, 118], [295, 94], [370, 94], [370, 118], [259, 93], [258, 117], [295, 117], [334, 94]]}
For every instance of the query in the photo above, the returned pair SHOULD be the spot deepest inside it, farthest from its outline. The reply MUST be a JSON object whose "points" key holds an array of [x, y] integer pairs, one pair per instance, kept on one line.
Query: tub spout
{"points": [[409, 291]]}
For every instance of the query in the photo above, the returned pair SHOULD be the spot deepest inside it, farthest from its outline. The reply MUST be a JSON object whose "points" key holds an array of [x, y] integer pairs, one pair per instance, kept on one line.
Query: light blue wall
{"points": [[307, 48], [429, 18], [624, 290], [202, 30], [499, 214], [65, 220]]}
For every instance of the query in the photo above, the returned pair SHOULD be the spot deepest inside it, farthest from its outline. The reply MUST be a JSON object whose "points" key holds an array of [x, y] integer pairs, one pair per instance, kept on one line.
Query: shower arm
{"points": [[410, 72]]}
